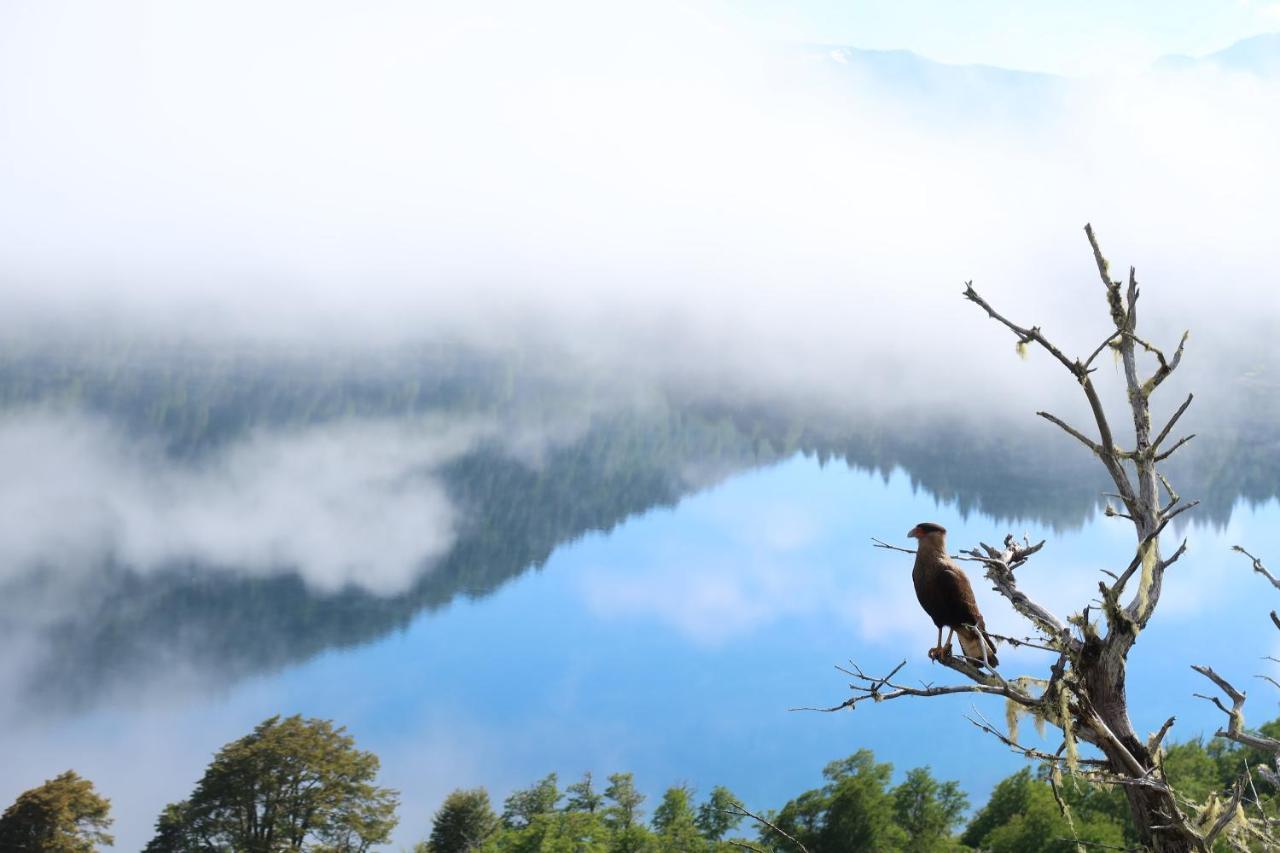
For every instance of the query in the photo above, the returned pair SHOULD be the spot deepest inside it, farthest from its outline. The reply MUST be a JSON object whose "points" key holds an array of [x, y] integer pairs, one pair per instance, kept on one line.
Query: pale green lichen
{"points": [[1148, 554], [1209, 813], [1011, 712], [1068, 731]]}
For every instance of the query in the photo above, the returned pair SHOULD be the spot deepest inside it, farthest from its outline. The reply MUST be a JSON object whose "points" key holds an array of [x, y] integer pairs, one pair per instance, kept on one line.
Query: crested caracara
{"points": [[945, 594]]}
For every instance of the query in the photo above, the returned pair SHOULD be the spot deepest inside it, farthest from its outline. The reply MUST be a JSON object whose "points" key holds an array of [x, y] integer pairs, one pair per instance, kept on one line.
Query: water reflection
{"points": [[224, 521], [672, 646]]}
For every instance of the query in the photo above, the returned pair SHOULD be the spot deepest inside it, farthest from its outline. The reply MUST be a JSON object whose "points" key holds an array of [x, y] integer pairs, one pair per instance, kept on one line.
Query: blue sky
{"points": [[1076, 38]]}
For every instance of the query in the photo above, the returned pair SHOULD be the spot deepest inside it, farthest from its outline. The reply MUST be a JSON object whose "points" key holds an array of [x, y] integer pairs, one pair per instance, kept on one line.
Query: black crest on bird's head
{"points": [[924, 528]]}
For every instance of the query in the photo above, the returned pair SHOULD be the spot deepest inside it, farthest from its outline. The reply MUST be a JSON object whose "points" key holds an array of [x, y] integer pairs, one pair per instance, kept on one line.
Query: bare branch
{"points": [[741, 811], [1111, 337], [1268, 678], [1167, 367], [1153, 742], [1180, 510], [1093, 446], [1118, 586], [881, 544], [1021, 641], [1164, 433], [873, 687], [745, 846], [1113, 287], [1039, 755], [1026, 336], [1000, 565], [1235, 730], [1173, 495], [1258, 567], [1163, 456]]}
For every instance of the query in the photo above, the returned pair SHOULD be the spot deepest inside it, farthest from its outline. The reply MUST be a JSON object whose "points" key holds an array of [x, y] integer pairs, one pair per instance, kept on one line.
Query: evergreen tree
{"points": [[623, 816], [675, 824], [464, 822], [583, 797]]}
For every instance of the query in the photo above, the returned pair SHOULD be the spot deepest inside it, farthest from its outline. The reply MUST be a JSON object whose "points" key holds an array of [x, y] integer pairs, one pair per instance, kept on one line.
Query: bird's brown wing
{"points": [[961, 609]]}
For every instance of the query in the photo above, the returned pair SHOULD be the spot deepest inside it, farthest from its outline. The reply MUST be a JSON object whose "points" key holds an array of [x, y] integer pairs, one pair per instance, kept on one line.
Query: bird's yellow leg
{"points": [[936, 651], [944, 649]]}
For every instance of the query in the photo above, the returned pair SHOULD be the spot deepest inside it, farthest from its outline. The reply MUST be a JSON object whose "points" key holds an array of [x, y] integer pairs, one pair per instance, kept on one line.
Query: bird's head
{"points": [[929, 533]]}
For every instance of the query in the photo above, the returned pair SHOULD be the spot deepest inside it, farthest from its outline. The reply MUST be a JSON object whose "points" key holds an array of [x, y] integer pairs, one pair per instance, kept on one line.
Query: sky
{"points": [[1072, 38]]}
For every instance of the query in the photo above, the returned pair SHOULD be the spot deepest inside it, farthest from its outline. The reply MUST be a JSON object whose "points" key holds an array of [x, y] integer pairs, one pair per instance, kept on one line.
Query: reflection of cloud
{"points": [[357, 503], [707, 603]]}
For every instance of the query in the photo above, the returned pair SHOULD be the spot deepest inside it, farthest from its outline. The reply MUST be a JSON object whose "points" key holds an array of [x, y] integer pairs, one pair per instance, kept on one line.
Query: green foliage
{"points": [[854, 811], [558, 832], [623, 815], [1022, 816], [624, 811], [291, 784], [715, 816], [928, 810], [64, 815], [523, 806], [174, 830], [675, 823], [464, 822], [583, 796]]}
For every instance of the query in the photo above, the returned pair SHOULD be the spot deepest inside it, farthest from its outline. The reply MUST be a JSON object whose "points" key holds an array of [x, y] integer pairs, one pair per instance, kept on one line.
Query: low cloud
{"points": [[643, 194]]}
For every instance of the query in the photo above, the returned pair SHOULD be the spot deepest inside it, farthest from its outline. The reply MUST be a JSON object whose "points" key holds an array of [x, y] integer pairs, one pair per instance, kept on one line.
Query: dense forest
{"points": [[302, 784]]}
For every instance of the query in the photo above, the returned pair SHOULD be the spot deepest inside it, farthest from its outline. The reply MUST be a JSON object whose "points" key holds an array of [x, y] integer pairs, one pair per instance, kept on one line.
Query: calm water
{"points": [[671, 645]]}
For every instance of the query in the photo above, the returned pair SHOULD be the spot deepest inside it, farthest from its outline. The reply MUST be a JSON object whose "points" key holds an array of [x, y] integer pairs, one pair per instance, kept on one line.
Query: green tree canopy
{"points": [[674, 822], [716, 816], [64, 815], [292, 784], [523, 806], [583, 797], [1022, 816], [464, 822], [928, 810], [854, 811], [623, 814]]}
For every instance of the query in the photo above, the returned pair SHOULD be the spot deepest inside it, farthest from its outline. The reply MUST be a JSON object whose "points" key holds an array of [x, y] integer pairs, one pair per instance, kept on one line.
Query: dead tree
{"points": [[1236, 730], [1083, 692]]}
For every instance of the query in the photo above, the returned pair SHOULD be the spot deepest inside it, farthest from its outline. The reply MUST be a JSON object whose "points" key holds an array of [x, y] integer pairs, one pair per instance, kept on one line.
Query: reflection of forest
{"points": [[629, 458]]}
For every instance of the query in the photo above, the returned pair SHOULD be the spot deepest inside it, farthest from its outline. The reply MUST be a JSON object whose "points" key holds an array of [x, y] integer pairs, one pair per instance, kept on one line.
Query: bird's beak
{"points": [[911, 534]]}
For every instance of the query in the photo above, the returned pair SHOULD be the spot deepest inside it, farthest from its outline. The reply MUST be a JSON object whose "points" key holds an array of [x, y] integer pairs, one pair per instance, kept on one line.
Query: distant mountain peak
{"points": [[1258, 55]]}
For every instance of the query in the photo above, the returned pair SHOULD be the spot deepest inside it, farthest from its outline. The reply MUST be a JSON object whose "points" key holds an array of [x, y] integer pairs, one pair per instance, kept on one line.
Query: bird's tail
{"points": [[977, 645]]}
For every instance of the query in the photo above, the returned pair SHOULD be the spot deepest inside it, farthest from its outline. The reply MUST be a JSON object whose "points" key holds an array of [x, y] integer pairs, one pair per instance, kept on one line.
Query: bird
{"points": [[946, 595]]}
